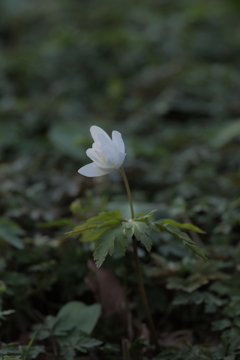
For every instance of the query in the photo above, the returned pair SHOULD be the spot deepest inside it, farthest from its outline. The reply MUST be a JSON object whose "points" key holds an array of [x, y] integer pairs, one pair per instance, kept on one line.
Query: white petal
{"points": [[121, 158], [106, 141], [96, 131], [92, 170], [96, 157], [97, 145], [111, 157], [118, 141], [111, 163]]}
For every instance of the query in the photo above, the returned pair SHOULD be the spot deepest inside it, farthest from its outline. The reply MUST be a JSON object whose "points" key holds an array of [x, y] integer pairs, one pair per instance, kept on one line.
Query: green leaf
{"points": [[67, 352], [106, 243], [194, 249], [57, 223], [109, 215], [76, 314], [144, 216], [189, 284], [142, 232], [185, 226], [188, 243], [79, 342], [93, 234], [226, 134], [173, 230], [35, 350], [195, 297], [10, 232], [221, 324], [85, 343], [47, 328], [6, 313], [96, 226]]}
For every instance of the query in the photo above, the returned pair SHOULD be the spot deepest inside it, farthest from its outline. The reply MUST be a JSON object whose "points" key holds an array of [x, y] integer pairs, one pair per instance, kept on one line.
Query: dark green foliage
{"points": [[9, 231], [71, 328], [166, 75]]}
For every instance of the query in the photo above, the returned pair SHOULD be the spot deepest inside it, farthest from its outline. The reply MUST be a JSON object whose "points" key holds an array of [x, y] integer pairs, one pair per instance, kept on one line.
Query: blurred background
{"points": [[163, 73]]}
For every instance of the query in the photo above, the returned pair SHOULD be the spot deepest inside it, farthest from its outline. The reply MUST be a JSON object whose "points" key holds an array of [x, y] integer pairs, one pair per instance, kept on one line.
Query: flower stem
{"points": [[138, 268], [128, 190]]}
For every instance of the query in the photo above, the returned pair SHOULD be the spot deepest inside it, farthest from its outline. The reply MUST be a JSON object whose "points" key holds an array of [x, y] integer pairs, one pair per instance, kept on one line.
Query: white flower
{"points": [[107, 154]]}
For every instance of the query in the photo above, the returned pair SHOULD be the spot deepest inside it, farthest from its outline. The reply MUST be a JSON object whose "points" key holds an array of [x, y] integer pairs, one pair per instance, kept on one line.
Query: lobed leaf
{"points": [[194, 249], [96, 226], [141, 230], [106, 243], [185, 226], [173, 230], [188, 243], [144, 216]]}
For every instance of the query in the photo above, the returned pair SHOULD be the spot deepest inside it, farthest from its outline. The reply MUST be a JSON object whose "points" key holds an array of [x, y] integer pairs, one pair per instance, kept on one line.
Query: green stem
{"points": [[128, 190], [138, 267]]}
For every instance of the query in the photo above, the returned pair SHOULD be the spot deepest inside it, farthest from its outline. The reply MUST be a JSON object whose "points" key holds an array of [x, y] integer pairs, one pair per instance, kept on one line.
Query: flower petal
{"points": [[97, 145], [96, 157], [107, 154], [106, 141], [96, 131], [91, 170], [118, 141], [111, 157], [121, 158]]}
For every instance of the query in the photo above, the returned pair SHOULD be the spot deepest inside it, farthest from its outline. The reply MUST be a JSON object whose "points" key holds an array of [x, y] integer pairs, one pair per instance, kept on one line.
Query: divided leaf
{"points": [[211, 302], [118, 236], [144, 216], [72, 327], [141, 230], [96, 226], [173, 230], [194, 249], [112, 232], [185, 226], [107, 242]]}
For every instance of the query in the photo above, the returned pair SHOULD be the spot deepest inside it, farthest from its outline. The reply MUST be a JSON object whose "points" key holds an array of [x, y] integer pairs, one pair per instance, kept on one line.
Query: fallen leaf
{"points": [[107, 290]]}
